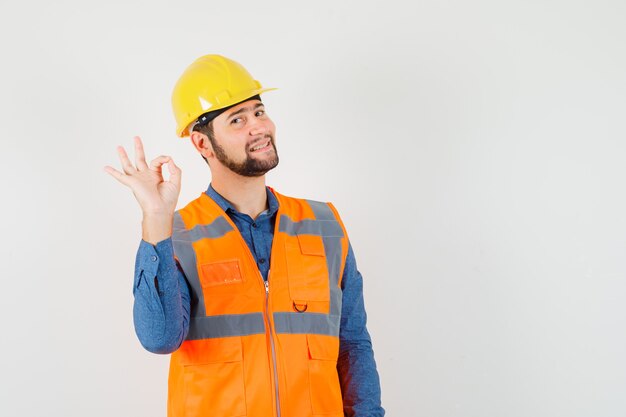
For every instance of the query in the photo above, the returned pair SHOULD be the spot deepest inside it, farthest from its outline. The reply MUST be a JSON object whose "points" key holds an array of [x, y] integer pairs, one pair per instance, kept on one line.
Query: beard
{"points": [[250, 167]]}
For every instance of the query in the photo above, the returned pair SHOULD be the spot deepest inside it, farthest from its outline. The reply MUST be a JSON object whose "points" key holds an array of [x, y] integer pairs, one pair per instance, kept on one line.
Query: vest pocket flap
{"points": [[218, 350], [323, 347], [220, 273], [311, 245]]}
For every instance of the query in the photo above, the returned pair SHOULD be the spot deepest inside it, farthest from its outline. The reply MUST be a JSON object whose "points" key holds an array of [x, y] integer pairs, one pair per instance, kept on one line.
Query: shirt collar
{"points": [[227, 206]]}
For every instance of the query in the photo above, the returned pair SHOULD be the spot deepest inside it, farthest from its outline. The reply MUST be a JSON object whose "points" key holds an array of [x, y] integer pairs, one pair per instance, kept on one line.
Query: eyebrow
{"points": [[244, 109]]}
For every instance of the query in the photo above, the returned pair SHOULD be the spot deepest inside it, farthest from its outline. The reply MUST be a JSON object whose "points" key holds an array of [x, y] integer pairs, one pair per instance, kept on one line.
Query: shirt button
{"points": [[262, 260], [153, 258], [254, 225]]}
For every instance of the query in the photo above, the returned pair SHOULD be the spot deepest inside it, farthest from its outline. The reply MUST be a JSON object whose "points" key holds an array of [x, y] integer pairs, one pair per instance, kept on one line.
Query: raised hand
{"points": [[156, 196]]}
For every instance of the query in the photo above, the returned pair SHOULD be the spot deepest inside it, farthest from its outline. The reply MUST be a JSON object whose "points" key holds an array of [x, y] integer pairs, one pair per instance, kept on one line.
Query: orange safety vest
{"points": [[255, 348]]}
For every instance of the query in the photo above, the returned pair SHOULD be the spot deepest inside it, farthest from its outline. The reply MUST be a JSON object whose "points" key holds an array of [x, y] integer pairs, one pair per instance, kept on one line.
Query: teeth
{"points": [[256, 148]]}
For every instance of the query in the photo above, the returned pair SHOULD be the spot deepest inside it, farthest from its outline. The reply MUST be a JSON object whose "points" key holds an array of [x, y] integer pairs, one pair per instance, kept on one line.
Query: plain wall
{"points": [[475, 150]]}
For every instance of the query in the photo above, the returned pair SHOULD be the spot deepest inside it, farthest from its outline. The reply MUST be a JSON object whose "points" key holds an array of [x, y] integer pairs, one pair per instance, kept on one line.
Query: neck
{"points": [[247, 194]]}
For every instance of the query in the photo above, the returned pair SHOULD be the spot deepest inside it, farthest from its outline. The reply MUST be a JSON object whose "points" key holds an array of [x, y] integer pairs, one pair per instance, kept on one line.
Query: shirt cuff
{"points": [[150, 257]]}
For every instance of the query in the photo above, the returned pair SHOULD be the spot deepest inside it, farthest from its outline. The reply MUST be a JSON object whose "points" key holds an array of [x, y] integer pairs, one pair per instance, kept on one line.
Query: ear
{"points": [[202, 144]]}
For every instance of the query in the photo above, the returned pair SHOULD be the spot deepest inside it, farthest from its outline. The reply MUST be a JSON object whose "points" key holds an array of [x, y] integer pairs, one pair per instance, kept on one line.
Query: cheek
{"points": [[269, 125], [240, 148], [233, 148]]}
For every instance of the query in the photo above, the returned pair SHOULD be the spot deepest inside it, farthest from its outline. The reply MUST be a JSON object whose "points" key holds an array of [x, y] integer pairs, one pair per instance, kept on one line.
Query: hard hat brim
{"points": [[184, 132]]}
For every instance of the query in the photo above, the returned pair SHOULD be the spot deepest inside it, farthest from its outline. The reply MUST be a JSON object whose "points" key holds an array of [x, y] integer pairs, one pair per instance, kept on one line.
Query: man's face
{"points": [[244, 139]]}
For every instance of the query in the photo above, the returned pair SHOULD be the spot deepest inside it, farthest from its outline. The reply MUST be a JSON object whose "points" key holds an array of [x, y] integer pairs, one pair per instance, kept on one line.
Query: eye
{"points": [[260, 112], [236, 120]]}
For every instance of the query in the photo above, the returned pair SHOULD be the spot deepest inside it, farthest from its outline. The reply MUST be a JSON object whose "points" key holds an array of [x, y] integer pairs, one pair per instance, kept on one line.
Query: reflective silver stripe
{"points": [[310, 227], [333, 252], [321, 210], [218, 228], [332, 249], [301, 323], [187, 257], [226, 325], [182, 240]]}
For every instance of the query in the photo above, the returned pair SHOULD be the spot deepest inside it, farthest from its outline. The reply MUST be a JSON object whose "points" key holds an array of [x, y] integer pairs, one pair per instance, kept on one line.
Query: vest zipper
{"points": [[267, 308], [267, 297]]}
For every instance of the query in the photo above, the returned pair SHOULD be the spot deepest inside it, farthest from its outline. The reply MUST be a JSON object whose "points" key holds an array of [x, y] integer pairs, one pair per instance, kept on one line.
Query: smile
{"points": [[262, 146]]}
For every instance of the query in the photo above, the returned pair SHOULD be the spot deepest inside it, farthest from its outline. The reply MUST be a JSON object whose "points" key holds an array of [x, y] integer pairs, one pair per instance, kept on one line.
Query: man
{"points": [[256, 294]]}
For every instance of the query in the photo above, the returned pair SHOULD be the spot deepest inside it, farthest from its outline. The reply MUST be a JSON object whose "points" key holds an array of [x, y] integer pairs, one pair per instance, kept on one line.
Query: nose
{"points": [[260, 126]]}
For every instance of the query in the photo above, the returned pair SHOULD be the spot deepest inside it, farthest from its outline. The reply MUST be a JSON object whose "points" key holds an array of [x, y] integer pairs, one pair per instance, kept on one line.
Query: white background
{"points": [[474, 148]]}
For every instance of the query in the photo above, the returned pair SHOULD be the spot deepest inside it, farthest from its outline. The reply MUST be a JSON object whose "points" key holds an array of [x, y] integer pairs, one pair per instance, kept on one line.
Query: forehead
{"points": [[244, 106]]}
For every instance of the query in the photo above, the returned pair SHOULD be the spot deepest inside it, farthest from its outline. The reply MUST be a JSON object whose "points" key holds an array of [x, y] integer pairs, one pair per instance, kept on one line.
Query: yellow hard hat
{"points": [[211, 82]]}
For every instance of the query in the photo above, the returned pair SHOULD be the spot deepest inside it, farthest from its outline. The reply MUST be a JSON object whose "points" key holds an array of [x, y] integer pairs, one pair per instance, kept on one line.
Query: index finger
{"points": [[140, 157]]}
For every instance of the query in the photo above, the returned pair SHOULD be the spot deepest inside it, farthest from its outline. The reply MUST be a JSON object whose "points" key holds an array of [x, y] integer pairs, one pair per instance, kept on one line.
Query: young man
{"points": [[256, 295]]}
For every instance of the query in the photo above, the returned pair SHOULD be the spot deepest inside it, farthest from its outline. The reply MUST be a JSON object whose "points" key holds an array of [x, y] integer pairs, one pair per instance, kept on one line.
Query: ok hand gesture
{"points": [[156, 196]]}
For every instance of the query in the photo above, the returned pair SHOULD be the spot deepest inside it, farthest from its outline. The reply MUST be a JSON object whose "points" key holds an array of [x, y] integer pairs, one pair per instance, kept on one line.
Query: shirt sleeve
{"points": [[161, 307], [360, 384]]}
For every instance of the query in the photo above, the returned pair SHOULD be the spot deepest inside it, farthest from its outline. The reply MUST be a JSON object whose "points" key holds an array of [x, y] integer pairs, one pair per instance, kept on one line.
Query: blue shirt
{"points": [[161, 308]]}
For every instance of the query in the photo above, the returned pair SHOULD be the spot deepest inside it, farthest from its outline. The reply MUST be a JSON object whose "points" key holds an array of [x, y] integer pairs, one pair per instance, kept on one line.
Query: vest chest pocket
{"points": [[213, 379], [223, 277], [306, 268]]}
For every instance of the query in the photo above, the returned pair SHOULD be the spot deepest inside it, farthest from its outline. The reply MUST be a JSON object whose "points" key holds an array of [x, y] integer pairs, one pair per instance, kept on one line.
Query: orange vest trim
{"points": [[257, 348]]}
